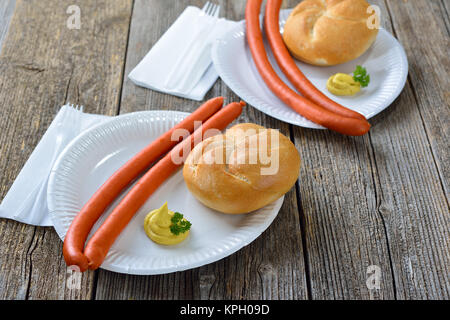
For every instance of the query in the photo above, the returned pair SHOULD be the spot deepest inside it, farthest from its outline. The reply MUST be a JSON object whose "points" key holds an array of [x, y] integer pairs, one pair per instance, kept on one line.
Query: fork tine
{"points": [[216, 11], [205, 6], [211, 10], [208, 10]]}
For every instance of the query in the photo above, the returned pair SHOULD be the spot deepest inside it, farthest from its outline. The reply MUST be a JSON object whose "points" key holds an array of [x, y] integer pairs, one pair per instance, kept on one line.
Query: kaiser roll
{"points": [[329, 32], [242, 170]]}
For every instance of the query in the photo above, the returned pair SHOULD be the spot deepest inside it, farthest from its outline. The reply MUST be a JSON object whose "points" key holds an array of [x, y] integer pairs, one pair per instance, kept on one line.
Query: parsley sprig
{"points": [[179, 225], [360, 75]]}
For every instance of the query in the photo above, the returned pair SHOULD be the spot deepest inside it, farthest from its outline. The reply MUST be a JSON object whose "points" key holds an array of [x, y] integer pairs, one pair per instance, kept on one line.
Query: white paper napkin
{"points": [[180, 62], [20, 203]]}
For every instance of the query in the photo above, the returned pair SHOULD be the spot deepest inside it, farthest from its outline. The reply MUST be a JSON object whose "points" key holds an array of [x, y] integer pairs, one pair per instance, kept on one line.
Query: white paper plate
{"points": [[96, 154], [385, 61]]}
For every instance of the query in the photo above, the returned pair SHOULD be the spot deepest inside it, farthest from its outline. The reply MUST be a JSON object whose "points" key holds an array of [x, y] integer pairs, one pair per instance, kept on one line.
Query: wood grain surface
{"points": [[377, 201], [43, 65]]}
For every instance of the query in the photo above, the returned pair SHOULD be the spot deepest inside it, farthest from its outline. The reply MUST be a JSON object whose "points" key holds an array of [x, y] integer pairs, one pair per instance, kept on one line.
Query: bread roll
{"points": [[242, 170], [329, 32]]}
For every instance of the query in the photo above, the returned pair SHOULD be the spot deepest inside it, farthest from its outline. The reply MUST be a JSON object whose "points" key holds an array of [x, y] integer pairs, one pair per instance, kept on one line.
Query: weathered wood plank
{"points": [[411, 201], [422, 27], [269, 268], [412, 156], [344, 234], [44, 64], [378, 200], [6, 12], [428, 24]]}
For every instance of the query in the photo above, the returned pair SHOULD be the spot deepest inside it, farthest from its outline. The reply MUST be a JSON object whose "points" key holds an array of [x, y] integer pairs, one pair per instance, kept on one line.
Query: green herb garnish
{"points": [[179, 225], [360, 75]]}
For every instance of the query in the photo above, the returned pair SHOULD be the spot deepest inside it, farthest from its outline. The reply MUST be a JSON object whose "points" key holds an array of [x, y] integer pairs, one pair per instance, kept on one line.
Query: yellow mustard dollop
{"points": [[157, 227], [342, 84]]}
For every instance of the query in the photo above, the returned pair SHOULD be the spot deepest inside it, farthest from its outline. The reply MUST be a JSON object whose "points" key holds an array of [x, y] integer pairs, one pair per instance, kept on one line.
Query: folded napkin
{"points": [[180, 62], [26, 200]]}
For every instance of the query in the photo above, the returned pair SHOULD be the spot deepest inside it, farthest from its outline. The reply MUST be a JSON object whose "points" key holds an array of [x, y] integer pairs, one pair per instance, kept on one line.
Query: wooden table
{"points": [[378, 200]]}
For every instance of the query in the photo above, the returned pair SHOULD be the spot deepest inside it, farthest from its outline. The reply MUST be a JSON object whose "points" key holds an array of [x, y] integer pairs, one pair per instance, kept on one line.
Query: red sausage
{"points": [[82, 224], [290, 69], [311, 111]]}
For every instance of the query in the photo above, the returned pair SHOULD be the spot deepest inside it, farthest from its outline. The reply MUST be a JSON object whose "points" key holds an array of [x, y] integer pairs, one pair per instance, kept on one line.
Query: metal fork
{"points": [[67, 128], [183, 62], [211, 9]]}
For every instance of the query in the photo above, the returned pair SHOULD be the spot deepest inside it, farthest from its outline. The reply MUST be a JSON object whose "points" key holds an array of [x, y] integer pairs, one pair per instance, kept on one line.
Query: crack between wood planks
{"points": [[119, 103], [302, 221], [94, 285], [445, 15], [390, 18], [29, 254], [66, 92], [30, 67]]}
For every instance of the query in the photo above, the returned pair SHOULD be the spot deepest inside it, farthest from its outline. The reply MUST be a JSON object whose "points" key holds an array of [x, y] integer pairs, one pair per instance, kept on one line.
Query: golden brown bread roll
{"points": [[242, 170], [329, 32]]}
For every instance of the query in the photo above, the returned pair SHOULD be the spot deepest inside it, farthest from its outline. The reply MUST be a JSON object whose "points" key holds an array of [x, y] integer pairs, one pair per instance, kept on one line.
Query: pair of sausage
{"points": [[313, 105], [96, 249]]}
